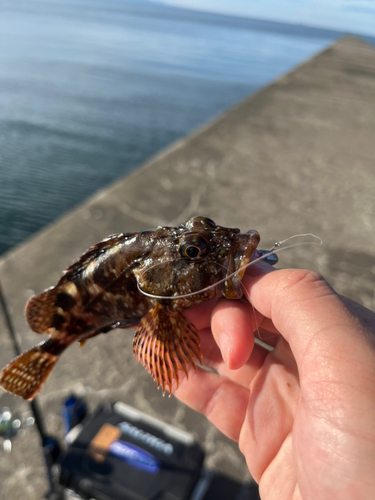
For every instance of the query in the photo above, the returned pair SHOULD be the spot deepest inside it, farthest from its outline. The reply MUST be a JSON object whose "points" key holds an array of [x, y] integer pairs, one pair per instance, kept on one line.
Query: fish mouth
{"points": [[237, 263]]}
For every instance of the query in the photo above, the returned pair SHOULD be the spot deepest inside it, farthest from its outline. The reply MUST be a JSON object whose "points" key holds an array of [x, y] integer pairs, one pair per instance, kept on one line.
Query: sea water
{"points": [[89, 89]]}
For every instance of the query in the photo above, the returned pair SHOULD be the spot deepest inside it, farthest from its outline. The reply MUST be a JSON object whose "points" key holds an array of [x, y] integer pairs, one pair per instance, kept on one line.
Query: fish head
{"points": [[187, 261]]}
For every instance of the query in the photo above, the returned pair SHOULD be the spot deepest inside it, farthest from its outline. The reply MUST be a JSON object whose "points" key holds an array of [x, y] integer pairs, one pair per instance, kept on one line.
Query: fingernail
{"points": [[224, 344]]}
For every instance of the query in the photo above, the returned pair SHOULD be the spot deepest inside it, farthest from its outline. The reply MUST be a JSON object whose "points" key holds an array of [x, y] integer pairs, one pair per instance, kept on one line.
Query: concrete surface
{"points": [[297, 157]]}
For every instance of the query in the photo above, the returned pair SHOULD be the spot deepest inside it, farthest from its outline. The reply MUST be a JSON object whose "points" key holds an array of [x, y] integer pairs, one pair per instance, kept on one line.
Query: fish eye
{"points": [[193, 247], [192, 252]]}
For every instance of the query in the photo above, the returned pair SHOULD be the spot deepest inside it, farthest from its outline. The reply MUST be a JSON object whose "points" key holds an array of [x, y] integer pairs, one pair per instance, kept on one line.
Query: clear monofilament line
{"points": [[276, 249], [279, 243]]}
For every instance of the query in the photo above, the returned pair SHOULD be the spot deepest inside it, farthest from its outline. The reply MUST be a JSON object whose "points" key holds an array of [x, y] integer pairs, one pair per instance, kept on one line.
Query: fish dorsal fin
{"points": [[40, 309], [53, 308], [166, 342], [74, 270]]}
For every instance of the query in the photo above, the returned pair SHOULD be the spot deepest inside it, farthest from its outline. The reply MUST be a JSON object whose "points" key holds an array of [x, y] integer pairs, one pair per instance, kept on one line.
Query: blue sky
{"points": [[357, 16]]}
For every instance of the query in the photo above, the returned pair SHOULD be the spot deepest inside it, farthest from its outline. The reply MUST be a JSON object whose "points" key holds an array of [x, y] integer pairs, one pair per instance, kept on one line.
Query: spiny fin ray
{"points": [[165, 343]]}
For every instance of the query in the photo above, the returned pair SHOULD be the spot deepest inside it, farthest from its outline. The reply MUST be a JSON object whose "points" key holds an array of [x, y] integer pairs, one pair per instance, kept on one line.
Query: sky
{"points": [[354, 16]]}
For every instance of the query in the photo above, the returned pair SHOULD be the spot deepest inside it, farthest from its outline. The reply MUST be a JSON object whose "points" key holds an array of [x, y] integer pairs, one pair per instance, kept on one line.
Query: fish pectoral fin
{"points": [[164, 343], [26, 374]]}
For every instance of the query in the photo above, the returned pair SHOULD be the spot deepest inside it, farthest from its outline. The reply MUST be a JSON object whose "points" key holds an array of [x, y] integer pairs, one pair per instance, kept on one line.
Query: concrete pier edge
{"points": [[296, 157]]}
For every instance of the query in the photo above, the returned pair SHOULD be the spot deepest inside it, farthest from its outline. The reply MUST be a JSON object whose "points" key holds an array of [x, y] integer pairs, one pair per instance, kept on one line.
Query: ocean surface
{"points": [[89, 89]]}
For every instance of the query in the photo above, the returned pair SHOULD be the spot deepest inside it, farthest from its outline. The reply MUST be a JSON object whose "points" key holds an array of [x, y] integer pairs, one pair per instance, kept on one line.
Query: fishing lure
{"points": [[143, 280]]}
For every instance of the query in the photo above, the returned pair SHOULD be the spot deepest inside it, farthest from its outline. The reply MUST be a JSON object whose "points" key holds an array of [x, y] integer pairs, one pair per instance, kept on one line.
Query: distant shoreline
{"points": [[90, 90]]}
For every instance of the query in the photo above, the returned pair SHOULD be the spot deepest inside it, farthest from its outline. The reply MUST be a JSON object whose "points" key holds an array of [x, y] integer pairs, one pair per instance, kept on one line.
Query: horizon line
{"points": [[253, 18]]}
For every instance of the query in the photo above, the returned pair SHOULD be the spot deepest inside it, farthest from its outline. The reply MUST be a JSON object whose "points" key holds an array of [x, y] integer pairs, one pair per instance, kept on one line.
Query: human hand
{"points": [[303, 414]]}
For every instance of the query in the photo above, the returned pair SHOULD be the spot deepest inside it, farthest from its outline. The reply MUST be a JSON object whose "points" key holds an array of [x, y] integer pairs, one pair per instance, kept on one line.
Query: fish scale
{"points": [[143, 280]]}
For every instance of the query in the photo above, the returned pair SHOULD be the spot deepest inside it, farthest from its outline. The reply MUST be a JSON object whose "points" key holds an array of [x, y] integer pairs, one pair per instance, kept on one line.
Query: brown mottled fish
{"points": [[101, 291]]}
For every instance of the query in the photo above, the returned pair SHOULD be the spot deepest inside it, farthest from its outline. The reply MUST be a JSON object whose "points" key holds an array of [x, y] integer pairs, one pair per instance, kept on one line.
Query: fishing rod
{"points": [[49, 444]]}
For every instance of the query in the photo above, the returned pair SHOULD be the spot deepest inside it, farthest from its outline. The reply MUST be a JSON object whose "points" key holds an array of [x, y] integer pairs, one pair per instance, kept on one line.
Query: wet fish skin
{"points": [[101, 291]]}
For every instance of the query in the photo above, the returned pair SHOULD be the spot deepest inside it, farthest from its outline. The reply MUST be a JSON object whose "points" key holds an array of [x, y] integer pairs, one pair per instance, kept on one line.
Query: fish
{"points": [[143, 280]]}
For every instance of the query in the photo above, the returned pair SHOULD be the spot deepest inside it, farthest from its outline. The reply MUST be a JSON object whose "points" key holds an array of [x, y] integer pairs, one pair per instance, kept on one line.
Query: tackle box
{"points": [[123, 454]]}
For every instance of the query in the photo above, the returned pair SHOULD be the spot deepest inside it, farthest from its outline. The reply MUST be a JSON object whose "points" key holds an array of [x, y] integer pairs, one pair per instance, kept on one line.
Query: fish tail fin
{"points": [[26, 374], [52, 308], [166, 343]]}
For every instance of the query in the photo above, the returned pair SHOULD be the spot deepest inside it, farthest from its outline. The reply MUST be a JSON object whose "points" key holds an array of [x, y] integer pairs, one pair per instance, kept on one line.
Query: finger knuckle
{"points": [[296, 278]]}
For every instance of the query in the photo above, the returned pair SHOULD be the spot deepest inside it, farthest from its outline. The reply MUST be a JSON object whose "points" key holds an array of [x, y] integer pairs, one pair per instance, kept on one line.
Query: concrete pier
{"points": [[297, 157]]}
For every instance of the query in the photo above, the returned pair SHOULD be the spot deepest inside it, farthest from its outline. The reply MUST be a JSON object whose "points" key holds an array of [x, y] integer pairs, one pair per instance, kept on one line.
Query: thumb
{"points": [[312, 317]]}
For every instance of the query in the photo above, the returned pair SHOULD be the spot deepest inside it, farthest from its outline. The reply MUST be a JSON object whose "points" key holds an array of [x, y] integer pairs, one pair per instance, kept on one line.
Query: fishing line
{"points": [[279, 243], [275, 250]]}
